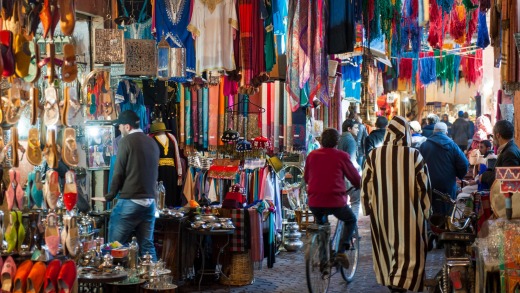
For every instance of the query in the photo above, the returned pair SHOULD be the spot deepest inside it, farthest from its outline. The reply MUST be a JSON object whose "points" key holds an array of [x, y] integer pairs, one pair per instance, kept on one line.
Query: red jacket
{"points": [[325, 170]]}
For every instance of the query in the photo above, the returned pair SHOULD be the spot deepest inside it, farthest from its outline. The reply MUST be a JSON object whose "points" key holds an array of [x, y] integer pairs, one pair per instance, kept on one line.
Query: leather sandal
{"points": [[55, 16], [69, 147], [51, 53], [72, 240], [69, 69], [52, 151], [52, 109], [35, 104], [34, 154], [67, 16], [13, 106], [33, 17], [65, 105], [52, 189]]}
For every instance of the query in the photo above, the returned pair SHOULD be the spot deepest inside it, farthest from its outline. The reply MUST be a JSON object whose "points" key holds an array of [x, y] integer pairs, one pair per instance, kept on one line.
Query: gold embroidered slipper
{"points": [[34, 155], [52, 109], [69, 147]]}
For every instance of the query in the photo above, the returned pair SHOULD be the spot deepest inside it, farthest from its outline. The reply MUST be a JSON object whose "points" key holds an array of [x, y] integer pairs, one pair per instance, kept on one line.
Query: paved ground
{"points": [[288, 273]]}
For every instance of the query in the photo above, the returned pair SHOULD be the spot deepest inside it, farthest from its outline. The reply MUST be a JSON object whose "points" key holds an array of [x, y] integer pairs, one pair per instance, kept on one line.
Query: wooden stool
{"points": [[304, 218]]}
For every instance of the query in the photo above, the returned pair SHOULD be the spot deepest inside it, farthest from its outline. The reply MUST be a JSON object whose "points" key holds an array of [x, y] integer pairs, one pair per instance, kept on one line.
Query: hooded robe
{"points": [[396, 194]]}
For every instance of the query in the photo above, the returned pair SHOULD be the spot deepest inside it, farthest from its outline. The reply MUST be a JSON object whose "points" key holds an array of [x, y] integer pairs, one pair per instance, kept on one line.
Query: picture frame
{"points": [[99, 145]]}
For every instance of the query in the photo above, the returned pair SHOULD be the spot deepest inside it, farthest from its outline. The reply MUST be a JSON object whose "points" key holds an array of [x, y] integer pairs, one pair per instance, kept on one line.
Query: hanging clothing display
{"points": [[170, 168], [132, 99], [341, 27], [213, 24], [171, 20]]}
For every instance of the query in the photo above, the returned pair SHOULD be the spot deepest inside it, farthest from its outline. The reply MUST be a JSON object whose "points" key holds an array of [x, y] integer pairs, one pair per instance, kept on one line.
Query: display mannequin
{"points": [[170, 168]]}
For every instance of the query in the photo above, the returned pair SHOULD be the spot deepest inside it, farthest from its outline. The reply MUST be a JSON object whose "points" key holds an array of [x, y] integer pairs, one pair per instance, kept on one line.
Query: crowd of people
{"points": [[396, 166]]}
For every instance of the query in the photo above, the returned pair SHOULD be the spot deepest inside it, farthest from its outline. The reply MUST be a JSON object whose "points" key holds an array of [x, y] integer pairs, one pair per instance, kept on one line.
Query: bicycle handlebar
{"points": [[446, 198]]}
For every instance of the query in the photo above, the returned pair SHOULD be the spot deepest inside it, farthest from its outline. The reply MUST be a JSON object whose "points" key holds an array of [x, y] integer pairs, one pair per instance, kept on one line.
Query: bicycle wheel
{"points": [[353, 258], [316, 267]]}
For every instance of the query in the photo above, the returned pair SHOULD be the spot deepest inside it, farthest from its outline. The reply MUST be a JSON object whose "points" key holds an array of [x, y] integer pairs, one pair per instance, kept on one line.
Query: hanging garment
{"points": [[398, 203], [168, 171], [279, 16], [187, 116], [257, 239], [133, 100], [213, 23], [341, 27], [171, 20], [269, 49]]}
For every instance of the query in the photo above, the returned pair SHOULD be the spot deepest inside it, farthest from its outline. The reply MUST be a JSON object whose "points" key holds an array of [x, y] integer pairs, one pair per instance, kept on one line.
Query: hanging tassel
{"points": [[415, 36], [405, 68], [458, 24], [482, 34], [472, 21], [427, 73], [434, 33]]}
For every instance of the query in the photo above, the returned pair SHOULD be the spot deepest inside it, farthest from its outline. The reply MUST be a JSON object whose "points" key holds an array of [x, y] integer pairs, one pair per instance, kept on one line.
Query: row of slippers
{"points": [[32, 277], [19, 51], [69, 148], [69, 236]]}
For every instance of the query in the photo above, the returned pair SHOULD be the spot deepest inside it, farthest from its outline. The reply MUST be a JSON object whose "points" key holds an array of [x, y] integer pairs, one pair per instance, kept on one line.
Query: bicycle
{"points": [[320, 257]]}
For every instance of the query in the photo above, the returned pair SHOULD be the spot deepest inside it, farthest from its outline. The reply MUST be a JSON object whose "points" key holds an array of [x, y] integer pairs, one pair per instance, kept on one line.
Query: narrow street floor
{"points": [[288, 273]]}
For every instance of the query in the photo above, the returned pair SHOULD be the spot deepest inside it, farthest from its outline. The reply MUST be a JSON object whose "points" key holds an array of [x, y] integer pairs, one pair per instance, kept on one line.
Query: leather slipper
{"points": [[8, 273], [55, 19], [69, 70], [70, 191], [72, 240], [46, 18], [52, 189], [20, 195], [36, 278], [10, 193], [15, 146], [34, 17], [34, 93], [21, 231], [11, 234], [34, 154], [64, 232], [6, 46], [52, 238], [67, 276], [69, 147], [52, 110], [22, 55], [33, 73], [65, 107], [67, 16], [37, 189]]}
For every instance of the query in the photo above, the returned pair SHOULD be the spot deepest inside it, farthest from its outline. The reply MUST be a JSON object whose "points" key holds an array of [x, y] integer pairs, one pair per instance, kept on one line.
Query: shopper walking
{"points": [[396, 195], [360, 140], [325, 171], [460, 131], [134, 179], [431, 119], [347, 140], [375, 138], [446, 120], [417, 138], [508, 152], [446, 162]]}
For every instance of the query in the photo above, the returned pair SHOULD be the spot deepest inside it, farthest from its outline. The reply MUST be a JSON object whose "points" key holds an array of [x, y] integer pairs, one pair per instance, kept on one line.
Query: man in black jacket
{"points": [[375, 138], [508, 152], [135, 178]]}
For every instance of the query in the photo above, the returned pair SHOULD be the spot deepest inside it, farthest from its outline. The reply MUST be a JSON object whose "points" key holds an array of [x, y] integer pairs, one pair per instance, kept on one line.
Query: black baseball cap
{"points": [[127, 117]]}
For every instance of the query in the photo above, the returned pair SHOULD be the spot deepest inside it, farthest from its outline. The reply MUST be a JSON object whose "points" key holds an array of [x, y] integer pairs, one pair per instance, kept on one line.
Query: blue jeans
{"points": [[344, 214], [127, 217]]}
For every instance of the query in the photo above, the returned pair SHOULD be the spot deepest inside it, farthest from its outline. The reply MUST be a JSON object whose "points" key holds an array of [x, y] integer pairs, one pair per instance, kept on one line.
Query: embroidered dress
{"points": [[171, 19], [212, 25], [168, 173]]}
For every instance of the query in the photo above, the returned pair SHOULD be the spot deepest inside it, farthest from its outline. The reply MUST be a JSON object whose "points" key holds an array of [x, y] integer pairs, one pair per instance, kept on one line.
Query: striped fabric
{"points": [[396, 194]]}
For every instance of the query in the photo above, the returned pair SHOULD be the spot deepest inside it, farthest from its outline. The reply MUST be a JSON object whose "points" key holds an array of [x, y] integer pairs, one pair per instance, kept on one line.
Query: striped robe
{"points": [[396, 194]]}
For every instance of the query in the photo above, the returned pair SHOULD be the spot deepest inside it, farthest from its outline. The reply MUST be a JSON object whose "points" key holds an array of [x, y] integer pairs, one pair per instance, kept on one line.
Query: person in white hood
{"points": [[417, 138]]}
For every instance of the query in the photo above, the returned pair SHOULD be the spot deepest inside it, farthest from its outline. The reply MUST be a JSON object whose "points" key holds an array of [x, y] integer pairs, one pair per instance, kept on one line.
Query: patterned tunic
{"points": [[396, 194]]}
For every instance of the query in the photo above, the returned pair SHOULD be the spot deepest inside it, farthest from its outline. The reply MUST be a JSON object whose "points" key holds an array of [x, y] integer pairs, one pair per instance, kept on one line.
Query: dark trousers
{"points": [[344, 214]]}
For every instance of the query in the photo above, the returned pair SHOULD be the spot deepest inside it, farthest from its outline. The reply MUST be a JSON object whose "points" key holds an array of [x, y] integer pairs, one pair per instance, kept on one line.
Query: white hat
{"points": [[415, 126], [440, 126]]}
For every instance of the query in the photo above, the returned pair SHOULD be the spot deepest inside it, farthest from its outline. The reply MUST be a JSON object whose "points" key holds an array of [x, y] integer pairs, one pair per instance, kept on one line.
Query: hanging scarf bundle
{"points": [[472, 67], [187, 116], [457, 27], [472, 21], [414, 59], [213, 105], [449, 69], [439, 64], [435, 30], [415, 36], [387, 15], [405, 69], [428, 72], [482, 34], [470, 4], [445, 5]]}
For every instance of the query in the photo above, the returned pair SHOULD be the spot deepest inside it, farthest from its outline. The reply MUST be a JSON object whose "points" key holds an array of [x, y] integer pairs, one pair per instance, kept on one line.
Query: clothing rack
{"points": [[243, 104]]}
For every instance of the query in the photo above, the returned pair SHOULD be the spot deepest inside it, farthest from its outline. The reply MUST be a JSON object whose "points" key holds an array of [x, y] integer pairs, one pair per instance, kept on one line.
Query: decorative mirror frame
{"points": [[99, 145]]}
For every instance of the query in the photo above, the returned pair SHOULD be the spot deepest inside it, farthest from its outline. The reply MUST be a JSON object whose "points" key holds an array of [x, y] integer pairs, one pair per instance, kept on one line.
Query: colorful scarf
{"points": [[182, 133], [221, 111], [187, 116], [195, 115], [257, 237], [237, 240], [214, 92], [205, 118]]}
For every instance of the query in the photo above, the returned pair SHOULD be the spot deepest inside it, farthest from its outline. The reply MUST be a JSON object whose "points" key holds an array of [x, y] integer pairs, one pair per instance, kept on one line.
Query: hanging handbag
{"points": [[224, 168]]}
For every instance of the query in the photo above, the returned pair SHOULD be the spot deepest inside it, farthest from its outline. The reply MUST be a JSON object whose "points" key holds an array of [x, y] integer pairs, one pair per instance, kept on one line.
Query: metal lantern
{"points": [[243, 146], [230, 135], [178, 62], [261, 143], [163, 60]]}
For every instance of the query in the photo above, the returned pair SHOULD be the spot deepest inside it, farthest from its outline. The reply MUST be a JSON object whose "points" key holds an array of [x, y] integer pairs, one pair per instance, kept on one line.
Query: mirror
{"points": [[292, 177]]}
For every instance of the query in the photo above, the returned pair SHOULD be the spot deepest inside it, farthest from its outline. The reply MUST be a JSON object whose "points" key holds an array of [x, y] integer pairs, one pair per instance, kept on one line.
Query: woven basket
{"points": [[240, 271]]}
